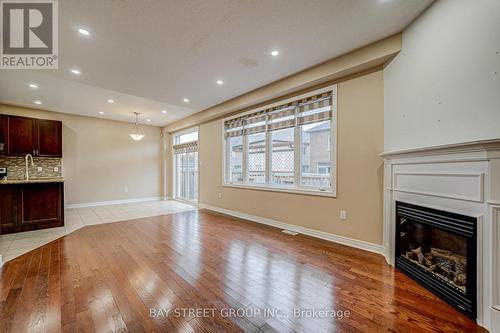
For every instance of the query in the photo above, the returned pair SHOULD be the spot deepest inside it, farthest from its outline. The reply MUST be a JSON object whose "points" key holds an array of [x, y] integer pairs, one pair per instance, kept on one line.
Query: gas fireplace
{"points": [[438, 250]]}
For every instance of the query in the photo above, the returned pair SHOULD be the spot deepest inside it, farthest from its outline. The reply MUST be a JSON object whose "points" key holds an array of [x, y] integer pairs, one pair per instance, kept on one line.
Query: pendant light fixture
{"points": [[136, 133]]}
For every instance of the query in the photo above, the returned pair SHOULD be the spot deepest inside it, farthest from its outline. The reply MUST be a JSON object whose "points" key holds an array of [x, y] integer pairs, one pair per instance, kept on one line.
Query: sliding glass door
{"points": [[186, 166], [186, 176]]}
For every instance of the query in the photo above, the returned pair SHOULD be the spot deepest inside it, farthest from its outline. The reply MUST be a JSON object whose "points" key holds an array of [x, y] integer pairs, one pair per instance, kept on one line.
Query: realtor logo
{"points": [[29, 33]]}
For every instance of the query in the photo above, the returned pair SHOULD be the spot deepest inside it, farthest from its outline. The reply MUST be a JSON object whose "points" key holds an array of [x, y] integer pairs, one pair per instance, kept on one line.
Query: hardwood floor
{"points": [[125, 276]]}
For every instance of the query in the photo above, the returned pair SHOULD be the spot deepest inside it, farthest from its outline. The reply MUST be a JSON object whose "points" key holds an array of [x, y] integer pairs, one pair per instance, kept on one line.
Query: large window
{"points": [[286, 146]]}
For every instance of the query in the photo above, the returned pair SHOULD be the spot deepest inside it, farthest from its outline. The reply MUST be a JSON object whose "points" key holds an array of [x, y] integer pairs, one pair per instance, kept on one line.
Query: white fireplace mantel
{"points": [[462, 178]]}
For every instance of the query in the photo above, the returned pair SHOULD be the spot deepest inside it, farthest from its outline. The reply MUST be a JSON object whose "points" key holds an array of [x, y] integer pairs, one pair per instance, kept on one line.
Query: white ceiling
{"points": [[149, 55]]}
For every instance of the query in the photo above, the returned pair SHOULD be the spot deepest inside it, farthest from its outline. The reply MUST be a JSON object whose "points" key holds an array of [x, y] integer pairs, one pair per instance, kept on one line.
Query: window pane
{"points": [[315, 154], [257, 158], [187, 137], [235, 159], [282, 158]]}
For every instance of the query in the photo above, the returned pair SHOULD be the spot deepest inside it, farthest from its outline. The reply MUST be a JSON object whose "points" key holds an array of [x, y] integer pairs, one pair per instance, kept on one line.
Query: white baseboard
{"points": [[306, 231], [112, 202], [495, 319]]}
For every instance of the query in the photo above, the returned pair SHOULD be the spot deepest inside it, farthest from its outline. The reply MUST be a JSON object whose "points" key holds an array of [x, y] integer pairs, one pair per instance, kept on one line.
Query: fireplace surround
{"points": [[462, 179], [438, 250]]}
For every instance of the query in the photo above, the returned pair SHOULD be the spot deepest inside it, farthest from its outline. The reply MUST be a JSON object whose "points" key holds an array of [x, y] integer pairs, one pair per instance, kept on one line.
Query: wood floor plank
{"points": [[200, 271]]}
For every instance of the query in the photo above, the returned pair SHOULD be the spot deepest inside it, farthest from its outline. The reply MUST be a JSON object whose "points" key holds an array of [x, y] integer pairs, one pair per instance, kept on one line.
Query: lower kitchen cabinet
{"points": [[10, 214], [31, 206]]}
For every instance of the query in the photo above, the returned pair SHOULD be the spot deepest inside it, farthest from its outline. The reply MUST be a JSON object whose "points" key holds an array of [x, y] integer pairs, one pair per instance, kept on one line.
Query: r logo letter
{"points": [[16, 28], [35, 20]]}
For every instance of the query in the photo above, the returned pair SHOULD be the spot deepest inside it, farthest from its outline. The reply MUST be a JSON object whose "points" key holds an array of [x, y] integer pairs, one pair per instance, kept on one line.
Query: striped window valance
{"points": [[282, 118], [187, 147], [254, 123], [233, 127], [313, 110], [298, 112]]}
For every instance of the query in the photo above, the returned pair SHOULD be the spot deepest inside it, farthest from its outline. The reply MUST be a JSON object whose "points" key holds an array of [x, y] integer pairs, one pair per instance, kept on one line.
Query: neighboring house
{"points": [[319, 155]]}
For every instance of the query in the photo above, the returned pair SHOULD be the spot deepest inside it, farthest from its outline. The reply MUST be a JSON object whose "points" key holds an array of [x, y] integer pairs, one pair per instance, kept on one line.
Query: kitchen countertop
{"points": [[31, 181]]}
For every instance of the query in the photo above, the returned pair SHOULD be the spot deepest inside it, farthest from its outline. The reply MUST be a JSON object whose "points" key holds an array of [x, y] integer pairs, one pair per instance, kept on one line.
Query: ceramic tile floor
{"points": [[14, 245]]}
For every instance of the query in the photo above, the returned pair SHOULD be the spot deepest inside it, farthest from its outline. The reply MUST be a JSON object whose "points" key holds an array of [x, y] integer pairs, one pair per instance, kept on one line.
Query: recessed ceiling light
{"points": [[186, 100], [148, 120], [164, 111], [38, 102], [101, 112], [33, 85], [111, 101], [220, 82], [275, 53], [84, 32], [75, 71]]}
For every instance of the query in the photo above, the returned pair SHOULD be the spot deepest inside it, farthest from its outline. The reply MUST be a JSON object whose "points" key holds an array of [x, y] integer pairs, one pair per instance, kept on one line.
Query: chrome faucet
{"points": [[32, 164]]}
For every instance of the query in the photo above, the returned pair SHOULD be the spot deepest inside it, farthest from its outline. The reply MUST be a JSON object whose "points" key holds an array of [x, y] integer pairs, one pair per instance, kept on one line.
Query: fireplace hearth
{"points": [[438, 250]]}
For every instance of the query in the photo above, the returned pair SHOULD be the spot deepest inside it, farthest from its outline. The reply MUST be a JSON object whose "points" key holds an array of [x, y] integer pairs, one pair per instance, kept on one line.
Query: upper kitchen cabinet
{"points": [[49, 138], [37, 137], [3, 135], [21, 133]]}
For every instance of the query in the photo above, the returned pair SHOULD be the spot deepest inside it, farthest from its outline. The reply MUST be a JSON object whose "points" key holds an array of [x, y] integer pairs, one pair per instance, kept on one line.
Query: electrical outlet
{"points": [[220, 195], [39, 169], [125, 189], [56, 169], [343, 215]]}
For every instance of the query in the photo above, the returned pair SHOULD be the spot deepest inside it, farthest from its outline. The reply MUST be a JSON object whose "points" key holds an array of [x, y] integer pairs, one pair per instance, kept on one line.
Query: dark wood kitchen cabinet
{"points": [[31, 206], [10, 214], [38, 137], [49, 138], [3, 134], [21, 133], [41, 204]]}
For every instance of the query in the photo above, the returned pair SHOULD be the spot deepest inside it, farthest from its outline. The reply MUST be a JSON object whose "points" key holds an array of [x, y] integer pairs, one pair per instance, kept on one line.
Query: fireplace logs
{"points": [[438, 249], [443, 263]]}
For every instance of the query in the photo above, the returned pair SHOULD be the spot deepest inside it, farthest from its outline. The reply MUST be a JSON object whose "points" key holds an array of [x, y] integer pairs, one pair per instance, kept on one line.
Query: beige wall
{"points": [[100, 160], [359, 184]]}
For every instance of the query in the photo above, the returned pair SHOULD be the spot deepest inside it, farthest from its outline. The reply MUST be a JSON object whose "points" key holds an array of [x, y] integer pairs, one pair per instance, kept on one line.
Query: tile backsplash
{"points": [[16, 167]]}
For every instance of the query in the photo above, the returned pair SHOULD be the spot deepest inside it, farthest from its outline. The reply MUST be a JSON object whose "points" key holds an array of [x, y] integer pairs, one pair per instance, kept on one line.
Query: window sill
{"points": [[304, 191]]}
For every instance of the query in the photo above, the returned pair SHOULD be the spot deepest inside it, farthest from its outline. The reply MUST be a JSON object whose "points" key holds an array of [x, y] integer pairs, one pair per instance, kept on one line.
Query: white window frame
{"points": [[296, 187], [186, 131]]}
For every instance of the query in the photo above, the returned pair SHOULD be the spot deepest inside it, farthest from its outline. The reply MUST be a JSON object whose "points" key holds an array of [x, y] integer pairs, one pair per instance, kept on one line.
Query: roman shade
{"points": [[254, 123], [187, 147], [315, 109], [283, 117], [299, 112], [233, 127]]}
